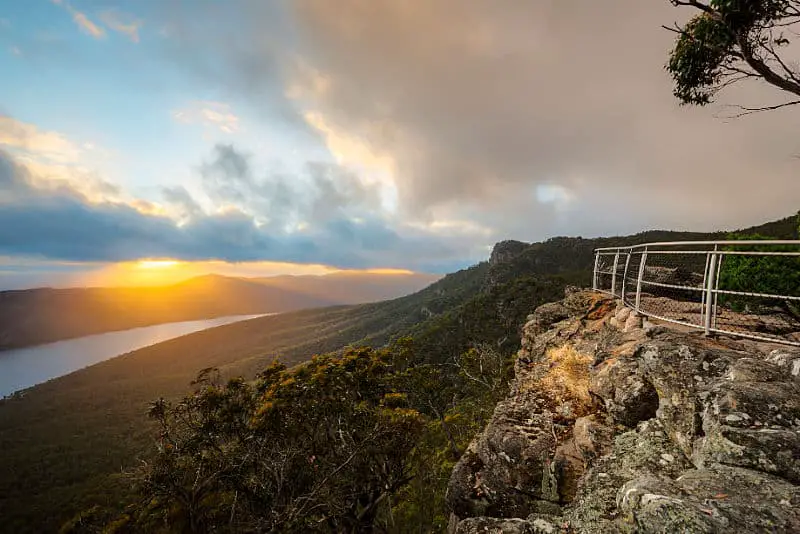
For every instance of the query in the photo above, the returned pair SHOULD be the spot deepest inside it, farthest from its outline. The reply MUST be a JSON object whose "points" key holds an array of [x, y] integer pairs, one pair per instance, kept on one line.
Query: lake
{"points": [[22, 368]]}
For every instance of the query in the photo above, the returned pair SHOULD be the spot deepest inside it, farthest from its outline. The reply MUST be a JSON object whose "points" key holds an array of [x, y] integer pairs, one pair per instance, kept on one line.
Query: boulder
{"points": [[622, 315], [718, 499], [546, 315], [627, 395], [644, 451], [507, 469], [633, 322], [788, 359], [679, 367], [674, 432], [534, 524]]}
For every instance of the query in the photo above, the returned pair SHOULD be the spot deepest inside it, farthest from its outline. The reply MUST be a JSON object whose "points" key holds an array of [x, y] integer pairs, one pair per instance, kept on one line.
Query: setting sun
{"points": [[156, 264]]}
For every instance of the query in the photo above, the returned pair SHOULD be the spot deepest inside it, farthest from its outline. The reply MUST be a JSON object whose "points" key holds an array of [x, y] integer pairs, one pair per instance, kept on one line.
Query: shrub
{"points": [[772, 275]]}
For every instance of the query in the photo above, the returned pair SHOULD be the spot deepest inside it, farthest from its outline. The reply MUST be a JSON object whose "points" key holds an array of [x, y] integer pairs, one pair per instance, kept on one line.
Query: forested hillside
{"points": [[35, 316], [439, 363]]}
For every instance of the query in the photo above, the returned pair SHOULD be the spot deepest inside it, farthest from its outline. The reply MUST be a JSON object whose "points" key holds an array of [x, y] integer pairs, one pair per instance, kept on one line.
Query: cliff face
{"points": [[614, 424]]}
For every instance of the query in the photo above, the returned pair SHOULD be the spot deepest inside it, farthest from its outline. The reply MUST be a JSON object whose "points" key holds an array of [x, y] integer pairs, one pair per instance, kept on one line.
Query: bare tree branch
{"points": [[695, 4], [749, 111]]}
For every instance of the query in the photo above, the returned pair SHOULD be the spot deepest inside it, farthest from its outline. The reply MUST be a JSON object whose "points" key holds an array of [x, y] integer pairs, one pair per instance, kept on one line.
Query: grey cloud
{"points": [[235, 49], [480, 102], [182, 200], [321, 193], [63, 225]]}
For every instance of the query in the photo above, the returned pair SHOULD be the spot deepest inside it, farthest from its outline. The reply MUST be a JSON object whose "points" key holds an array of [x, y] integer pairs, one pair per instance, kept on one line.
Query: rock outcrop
{"points": [[505, 251], [615, 424]]}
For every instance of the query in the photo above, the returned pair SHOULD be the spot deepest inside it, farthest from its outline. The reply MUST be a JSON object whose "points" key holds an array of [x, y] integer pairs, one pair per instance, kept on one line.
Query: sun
{"points": [[156, 264]]}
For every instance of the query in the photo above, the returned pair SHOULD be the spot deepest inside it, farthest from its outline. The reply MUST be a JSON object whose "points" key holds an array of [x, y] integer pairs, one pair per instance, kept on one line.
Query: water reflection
{"points": [[22, 368]]}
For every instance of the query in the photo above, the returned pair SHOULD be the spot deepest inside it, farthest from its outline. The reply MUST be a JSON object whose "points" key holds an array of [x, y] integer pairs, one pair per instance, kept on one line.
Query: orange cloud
{"points": [[121, 23], [29, 138], [84, 23]]}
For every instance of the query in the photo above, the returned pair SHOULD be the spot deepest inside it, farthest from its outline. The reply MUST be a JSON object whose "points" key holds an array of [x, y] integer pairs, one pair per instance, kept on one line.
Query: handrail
{"points": [[727, 242], [696, 299]]}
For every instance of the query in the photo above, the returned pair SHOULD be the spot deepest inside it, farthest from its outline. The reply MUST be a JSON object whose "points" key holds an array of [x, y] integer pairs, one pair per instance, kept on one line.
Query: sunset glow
{"points": [[156, 264]]}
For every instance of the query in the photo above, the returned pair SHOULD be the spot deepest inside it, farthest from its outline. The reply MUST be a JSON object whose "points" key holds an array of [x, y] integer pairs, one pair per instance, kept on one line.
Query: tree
{"points": [[319, 448], [731, 41], [771, 275]]}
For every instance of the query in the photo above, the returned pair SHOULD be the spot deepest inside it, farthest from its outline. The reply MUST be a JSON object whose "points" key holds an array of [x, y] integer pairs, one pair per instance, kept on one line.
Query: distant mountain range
{"points": [[35, 316], [65, 442]]}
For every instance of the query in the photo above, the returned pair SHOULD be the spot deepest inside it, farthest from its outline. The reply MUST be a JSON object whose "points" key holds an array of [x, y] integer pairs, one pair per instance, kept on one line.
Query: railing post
{"points": [[625, 275], [720, 261], [596, 263], [710, 291], [614, 274], [639, 281]]}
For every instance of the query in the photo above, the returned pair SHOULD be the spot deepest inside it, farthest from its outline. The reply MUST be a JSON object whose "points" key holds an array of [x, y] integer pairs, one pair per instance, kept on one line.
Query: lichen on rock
{"points": [[615, 424]]}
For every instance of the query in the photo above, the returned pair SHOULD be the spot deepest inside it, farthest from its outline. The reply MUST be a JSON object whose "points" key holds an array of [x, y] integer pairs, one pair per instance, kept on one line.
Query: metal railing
{"points": [[744, 288]]}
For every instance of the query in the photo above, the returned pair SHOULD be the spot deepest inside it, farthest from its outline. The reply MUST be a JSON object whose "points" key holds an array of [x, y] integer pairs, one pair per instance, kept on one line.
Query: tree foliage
{"points": [[730, 41], [320, 447], [342, 443], [769, 275]]}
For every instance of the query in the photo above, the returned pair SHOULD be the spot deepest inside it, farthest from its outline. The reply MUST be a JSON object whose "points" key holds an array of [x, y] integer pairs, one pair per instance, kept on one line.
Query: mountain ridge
{"points": [[42, 315], [105, 404]]}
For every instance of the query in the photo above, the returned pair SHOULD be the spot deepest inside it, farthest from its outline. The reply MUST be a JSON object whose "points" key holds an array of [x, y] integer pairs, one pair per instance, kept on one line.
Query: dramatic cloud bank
{"points": [[378, 133], [62, 224]]}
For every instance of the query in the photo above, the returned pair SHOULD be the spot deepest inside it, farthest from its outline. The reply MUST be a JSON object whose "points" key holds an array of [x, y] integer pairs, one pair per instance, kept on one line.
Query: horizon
{"points": [[162, 272], [166, 273], [274, 138]]}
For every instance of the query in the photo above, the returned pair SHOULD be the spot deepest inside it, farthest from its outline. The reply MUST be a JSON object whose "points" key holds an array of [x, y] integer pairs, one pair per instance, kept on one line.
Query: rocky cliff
{"points": [[615, 424]]}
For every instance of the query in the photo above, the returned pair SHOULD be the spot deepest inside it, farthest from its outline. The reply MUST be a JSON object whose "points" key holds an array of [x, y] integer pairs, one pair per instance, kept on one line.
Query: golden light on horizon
{"points": [[167, 271], [156, 264]]}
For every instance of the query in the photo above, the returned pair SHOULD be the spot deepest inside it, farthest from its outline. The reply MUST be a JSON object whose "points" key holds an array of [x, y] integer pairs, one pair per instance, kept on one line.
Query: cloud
{"points": [[514, 107], [82, 21], [62, 224], [122, 23], [30, 139], [53, 161], [319, 194], [524, 118], [215, 115], [182, 201], [87, 26]]}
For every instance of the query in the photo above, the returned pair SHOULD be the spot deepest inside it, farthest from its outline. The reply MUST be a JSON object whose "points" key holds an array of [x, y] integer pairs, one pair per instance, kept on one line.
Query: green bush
{"points": [[771, 275]]}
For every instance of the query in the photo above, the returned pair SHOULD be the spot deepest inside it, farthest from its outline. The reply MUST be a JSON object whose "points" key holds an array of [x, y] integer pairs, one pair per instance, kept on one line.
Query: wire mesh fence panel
{"points": [[745, 288], [673, 284], [758, 292], [630, 277], [604, 271]]}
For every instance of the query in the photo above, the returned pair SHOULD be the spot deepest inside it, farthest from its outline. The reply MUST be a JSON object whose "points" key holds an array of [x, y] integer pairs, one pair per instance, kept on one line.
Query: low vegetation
{"points": [[768, 275], [439, 364], [567, 377]]}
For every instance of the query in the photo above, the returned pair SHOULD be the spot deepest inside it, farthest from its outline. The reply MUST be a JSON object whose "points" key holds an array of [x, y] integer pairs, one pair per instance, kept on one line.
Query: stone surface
{"points": [[505, 251], [622, 315], [547, 315], [633, 322], [628, 396], [719, 499], [682, 433], [788, 359], [532, 525]]}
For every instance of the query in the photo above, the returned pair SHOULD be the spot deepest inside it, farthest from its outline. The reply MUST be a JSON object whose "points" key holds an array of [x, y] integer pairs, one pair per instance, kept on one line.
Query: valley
{"points": [[67, 444], [44, 315]]}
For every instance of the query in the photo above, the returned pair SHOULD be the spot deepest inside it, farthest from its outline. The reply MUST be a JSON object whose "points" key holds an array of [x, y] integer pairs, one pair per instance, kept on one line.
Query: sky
{"points": [[304, 136]]}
